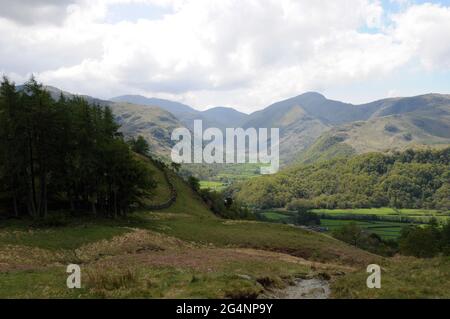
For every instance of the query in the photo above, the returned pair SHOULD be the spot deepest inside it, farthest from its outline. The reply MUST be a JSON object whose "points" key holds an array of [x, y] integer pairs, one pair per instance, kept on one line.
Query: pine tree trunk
{"points": [[45, 198], [115, 204], [94, 209], [16, 208], [32, 176], [14, 191], [31, 206]]}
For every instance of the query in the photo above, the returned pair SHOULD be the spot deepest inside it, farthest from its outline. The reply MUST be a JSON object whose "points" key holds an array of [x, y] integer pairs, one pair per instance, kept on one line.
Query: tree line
{"points": [[409, 179], [64, 154], [425, 241]]}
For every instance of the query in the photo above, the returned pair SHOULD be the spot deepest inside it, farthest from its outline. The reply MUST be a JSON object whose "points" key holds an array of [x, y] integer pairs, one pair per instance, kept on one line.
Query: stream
{"points": [[302, 289]]}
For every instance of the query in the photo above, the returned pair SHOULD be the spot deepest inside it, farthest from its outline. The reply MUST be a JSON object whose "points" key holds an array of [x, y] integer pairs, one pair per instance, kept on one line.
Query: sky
{"points": [[245, 54]]}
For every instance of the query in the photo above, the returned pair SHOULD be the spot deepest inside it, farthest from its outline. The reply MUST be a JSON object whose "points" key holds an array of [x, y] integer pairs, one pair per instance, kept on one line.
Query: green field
{"points": [[386, 211], [386, 230], [239, 172], [215, 186], [386, 214], [276, 216], [383, 226], [222, 173]]}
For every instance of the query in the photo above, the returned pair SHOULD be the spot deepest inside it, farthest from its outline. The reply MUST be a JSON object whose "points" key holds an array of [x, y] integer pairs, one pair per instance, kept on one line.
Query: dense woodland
{"points": [[409, 179], [64, 155]]}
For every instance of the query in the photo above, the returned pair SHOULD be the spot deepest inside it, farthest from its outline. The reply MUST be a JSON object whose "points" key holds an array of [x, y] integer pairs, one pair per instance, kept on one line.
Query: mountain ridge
{"points": [[308, 123], [226, 117], [303, 119]]}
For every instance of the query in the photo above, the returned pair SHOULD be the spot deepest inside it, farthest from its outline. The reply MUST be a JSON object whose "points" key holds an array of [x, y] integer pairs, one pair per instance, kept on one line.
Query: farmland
{"points": [[385, 222], [386, 230], [215, 186], [222, 173], [386, 214]]}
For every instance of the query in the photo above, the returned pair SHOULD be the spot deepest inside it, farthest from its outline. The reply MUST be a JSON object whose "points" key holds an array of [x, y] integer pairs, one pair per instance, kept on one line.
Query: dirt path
{"points": [[302, 289]]}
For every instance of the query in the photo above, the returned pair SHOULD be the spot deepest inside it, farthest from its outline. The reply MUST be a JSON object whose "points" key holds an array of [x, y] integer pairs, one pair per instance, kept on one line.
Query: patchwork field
{"points": [[386, 230], [416, 215], [382, 221]]}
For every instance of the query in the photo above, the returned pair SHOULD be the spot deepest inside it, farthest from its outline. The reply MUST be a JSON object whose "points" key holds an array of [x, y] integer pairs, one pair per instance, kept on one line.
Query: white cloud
{"points": [[231, 52], [425, 31]]}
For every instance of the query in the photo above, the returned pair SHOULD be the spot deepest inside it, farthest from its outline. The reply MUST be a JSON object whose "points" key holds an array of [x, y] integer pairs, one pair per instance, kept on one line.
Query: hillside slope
{"points": [[225, 117], [190, 219], [410, 179], [153, 123], [184, 113], [185, 251], [418, 122], [220, 117], [379, 125]]}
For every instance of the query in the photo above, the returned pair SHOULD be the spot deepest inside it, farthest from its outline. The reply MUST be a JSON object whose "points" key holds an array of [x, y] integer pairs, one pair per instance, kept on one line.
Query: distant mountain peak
{"points": [[220, 108], [217, 109], [312, 95]]}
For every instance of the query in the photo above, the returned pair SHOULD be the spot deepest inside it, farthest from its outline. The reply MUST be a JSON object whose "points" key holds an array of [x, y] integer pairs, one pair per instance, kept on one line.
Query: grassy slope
{"points": [[324, 148], [184, 251], [161, 194], [396, 132], [152, 122], [401, 277], [189, 219]]}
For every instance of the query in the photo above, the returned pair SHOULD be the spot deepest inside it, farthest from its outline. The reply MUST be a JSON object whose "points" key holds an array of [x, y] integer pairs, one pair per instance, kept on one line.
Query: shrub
{"points": [[425, 241], [300, 204], [194, 183], [307, 218], [356, 236]]}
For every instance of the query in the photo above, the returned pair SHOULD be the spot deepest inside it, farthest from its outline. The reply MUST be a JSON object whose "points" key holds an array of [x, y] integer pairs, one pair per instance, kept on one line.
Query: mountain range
{"points": [[312, 127], [220, 117]]}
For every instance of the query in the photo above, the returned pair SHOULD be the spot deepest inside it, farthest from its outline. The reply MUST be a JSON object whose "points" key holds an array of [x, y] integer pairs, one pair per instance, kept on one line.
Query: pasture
{"points": [[385, 214], [215, 186], [385, 222]]}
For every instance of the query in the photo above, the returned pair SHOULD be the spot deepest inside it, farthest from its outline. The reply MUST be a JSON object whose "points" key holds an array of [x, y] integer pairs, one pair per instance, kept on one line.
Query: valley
{"points": [[224, 150], [140, 226], [312, 127], [184, 251]]}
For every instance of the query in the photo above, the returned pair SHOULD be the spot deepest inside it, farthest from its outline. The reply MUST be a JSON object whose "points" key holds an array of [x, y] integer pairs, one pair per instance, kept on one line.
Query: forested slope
{"points": [[410, 179]]}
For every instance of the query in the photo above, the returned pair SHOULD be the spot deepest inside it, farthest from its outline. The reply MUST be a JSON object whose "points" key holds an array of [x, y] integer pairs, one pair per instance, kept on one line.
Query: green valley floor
{"points": [[186, 252]]}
